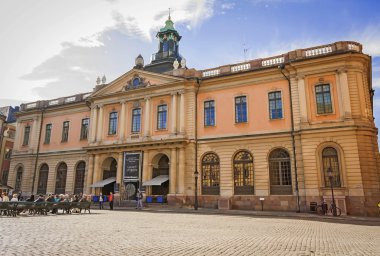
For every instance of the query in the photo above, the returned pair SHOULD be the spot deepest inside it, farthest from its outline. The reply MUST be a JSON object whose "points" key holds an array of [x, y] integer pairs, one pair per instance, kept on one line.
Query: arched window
{"points": [[60, 181], [18, 179], [210, 174], [331, 161], [43, 179], [280, 173], [243, 173], [79, 177]]}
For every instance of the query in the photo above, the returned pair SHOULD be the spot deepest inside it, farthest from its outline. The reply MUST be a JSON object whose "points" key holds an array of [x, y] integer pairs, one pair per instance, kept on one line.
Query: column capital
{"points": [[123, 101], [300, 76], [181, 91], [100, 105], [147, 98], [341, 70], [173, 93]]}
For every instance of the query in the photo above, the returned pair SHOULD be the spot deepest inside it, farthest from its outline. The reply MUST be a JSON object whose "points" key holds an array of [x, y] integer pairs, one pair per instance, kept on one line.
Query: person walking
{"points": [[139, 199], [100, 201], [110, 198]]}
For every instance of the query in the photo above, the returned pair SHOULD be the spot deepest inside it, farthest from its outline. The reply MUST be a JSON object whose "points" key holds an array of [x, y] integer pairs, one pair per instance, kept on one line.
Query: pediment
{"points": [[135, 79]]}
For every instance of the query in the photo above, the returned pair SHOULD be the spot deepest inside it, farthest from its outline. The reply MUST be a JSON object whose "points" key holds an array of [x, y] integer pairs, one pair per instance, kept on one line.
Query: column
{"points": [[122, 121], [90, 173], [302, 98], [99, 134], [174, 114], [147, 117], [145, 174], [173, 171], [93, 123], [182, 116], [343, 81], [96, 174], [181, 171], [119, 172]]}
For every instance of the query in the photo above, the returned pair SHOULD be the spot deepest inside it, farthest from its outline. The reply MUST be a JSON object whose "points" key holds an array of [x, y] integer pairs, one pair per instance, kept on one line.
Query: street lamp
{"points": [[330, 174], [196, 173]]}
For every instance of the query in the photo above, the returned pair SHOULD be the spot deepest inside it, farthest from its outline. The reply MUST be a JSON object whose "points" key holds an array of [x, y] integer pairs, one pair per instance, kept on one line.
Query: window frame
{"points": [[206, 110], [133, 120], [338, 173], [276, 104], [18, 182], [239, 169], [316, 94], [210, 164], [237, 121], [65, 131], [58, 181], [79, 178], [25, 141], [48, 134], [84, 129], [282, 164], [112, 122], [165, 112], [42, 189]]}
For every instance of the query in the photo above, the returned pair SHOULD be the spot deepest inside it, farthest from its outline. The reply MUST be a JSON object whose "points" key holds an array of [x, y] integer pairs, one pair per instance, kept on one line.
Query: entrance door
{"points": [[108, 174], [163, 169]]}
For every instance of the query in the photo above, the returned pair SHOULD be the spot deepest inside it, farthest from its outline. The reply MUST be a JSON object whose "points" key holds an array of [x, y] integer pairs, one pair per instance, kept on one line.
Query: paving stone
{"points": [[155, 233]]}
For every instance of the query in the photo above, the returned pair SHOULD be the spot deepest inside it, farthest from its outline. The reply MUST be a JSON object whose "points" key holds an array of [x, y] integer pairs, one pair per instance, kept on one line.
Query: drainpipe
{"points": [[196, 173], [281, 68], [38, 148]]}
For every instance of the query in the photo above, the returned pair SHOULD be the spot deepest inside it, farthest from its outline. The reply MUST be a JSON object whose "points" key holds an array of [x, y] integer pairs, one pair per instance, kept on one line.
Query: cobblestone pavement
{"points": [[162, 233]]}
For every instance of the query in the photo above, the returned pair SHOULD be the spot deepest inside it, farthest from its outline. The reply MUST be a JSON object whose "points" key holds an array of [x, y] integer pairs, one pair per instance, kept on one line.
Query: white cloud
{"points": [[34, 32], [227, 6], [376, 83], [369, 36]]}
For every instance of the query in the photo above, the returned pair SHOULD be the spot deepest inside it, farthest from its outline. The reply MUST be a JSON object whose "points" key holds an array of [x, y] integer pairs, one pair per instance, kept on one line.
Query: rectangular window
{"points": [[323, 98], [162, 111], [26, 136], [47, 134], [112, 125], [65, 131], [241, 109], [136, 120], [275, 105], [84, 128], [209, 113], [8, 154]]}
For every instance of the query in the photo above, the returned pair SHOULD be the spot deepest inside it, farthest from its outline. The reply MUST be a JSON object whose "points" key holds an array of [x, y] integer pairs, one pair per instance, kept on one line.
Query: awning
{"points": [[156, 181], [102, 183], [5, 186]]}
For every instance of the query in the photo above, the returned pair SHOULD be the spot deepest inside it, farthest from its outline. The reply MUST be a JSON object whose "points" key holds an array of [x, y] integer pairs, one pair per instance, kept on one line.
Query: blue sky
{"points": [[57, 48]]}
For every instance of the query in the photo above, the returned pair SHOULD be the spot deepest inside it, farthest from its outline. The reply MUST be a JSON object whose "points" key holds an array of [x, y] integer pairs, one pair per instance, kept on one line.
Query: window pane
{"points": [[112, 126], [136, 120], [162, 117], [331, 162], [209, 112]]}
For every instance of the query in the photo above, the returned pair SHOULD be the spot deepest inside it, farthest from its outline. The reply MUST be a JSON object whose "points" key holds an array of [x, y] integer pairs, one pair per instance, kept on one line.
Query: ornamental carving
{"points": [[136, 82]]}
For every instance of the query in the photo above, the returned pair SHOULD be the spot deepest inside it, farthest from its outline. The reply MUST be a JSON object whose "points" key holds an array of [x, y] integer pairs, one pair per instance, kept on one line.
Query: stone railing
{"points": [[41, 104], [299, 54]]}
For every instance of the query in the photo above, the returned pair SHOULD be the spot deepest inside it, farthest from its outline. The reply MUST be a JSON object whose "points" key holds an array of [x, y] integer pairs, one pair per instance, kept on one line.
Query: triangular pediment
{"points": [[135, 79]]}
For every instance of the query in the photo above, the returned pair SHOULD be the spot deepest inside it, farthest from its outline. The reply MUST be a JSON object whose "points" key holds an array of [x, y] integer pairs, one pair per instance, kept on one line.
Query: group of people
{"points": [[4, 197], [55, 198]]}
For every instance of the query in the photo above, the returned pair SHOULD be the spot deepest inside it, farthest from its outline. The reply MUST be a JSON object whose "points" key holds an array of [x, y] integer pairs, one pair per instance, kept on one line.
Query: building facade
{"points": [[7, 136], [269, 130]]}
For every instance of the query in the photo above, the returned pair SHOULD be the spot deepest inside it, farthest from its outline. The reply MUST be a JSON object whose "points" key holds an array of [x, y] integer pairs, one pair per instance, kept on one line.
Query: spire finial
{"points": [[169, 14]]}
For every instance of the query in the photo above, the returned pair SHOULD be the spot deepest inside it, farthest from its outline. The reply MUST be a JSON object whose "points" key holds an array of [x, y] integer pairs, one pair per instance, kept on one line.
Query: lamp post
{"points": [[330, 174], [196, 173]]}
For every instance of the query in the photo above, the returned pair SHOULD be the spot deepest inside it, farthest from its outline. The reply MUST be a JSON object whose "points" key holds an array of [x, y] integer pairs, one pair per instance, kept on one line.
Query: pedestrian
{"points": [[100, 201], [5, 197], [139, 199], [14, 198], [110, 198]]}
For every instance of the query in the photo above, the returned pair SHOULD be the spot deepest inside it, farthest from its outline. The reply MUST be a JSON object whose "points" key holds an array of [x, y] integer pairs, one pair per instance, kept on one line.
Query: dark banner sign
{"points": [[132, 165]]}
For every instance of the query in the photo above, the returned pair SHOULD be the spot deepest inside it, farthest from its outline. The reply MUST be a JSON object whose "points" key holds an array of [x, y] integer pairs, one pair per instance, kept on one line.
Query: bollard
{"points": [[262, 203]]}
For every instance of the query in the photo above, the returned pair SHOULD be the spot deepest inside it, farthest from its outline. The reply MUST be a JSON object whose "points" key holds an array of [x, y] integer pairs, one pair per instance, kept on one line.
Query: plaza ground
{"points": [[167, 232]]}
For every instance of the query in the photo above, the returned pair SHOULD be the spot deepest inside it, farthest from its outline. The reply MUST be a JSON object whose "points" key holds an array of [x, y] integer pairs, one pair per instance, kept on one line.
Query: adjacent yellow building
{"points": [[266, 130]]}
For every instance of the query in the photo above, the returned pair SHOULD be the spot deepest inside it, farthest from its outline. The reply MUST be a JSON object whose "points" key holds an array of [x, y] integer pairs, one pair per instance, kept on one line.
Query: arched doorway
{"points": [[60, 182], [161, 168], [109, 168]]}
